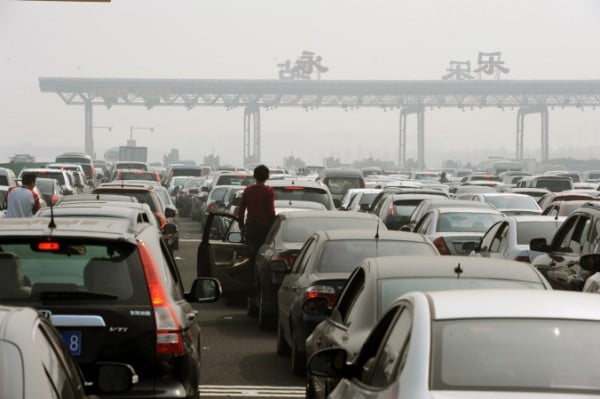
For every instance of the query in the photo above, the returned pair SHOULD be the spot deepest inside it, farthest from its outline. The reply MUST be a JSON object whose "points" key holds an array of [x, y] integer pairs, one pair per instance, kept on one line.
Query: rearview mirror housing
{"points": [[204, 290], [328, 363], [590, 263], [539, 244], [170, 212], [170, 228]]}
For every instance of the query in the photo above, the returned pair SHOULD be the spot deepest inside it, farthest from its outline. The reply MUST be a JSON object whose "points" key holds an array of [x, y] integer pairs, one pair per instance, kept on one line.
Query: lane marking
{"points": [[252, 391], [190, 240]]}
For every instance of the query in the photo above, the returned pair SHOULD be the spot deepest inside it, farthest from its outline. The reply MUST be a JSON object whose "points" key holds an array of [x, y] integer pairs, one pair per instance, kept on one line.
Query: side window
{"points": [[486, 241], [349, 295], [301, 255], [425, 223], [310, 252], [378, 204], [564, 234], [392, 351], [53, 367], [498, 237], [582, 232]]}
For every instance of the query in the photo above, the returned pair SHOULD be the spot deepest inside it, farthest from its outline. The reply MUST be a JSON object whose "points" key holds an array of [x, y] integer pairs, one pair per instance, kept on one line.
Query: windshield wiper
{"points": [[74, 295]]}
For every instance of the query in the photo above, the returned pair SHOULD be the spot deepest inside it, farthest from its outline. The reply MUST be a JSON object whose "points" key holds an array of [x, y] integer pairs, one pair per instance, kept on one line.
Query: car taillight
{"points": [[324, 291], [53, 199], [289, 260], [161, 219], [441, 246], [211, 206], [391, 210], [522, 259], [169, 338]]}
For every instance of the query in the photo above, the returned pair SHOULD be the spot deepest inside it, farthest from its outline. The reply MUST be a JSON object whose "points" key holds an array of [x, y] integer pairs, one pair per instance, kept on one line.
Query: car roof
{"points": [[108, 228], [467, 209], [328, 214], [98, 197], [294, 182], [444, 266], [535, 304], [535, 218], [359, 234], [456, 203]]}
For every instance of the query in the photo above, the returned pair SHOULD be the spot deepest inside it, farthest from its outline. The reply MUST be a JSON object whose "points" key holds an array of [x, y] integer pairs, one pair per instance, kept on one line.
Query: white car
{"points": [[507, 203], [471, 344], [509, 238]]}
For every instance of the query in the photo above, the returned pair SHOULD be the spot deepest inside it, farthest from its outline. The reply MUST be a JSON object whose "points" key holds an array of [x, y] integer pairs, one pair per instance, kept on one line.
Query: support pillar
{"points": [[545, 136], [251, 135], [89, 130], [420, 111]]}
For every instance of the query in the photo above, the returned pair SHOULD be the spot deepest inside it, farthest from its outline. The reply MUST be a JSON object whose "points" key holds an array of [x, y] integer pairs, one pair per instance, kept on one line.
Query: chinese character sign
{"points": [[304, 67], [490, 63], [458, 70]]}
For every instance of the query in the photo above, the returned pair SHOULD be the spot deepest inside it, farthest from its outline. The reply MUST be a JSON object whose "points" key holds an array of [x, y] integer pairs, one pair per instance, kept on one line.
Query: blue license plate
{"points": [[72, 340]]}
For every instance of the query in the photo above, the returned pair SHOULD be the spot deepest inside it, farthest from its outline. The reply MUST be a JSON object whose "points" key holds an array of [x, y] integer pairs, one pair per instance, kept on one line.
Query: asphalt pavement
{"points": [[238, 359]]}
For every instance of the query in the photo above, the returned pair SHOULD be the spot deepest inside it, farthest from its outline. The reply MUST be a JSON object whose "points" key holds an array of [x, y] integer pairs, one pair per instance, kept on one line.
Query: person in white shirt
{"points": [[23, 202]]}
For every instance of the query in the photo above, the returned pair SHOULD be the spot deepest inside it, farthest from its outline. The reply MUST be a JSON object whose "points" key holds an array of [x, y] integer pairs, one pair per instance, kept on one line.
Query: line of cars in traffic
{"points": [[345, 311]]}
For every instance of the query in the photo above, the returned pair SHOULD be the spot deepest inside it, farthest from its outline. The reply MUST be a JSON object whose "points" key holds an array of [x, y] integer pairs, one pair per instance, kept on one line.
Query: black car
{"points": [[113, 291], [283, 242], [321, 270], [36, 362], [577, 236]]}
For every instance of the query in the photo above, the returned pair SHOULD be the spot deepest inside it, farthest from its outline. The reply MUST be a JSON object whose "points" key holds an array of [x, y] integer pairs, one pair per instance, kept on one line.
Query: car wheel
{"points": [[283, 349], [265, 321], [252, 308], [298, 359]]}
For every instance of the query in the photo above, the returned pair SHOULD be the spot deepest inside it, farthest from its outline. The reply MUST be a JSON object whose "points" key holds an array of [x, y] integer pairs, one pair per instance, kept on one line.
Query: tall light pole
{"points": [[131, 141]]}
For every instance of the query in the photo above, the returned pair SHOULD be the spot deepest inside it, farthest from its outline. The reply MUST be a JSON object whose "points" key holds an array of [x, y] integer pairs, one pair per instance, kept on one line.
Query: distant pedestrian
{"points": [[23, 201], [259, 200], [443, 178]]}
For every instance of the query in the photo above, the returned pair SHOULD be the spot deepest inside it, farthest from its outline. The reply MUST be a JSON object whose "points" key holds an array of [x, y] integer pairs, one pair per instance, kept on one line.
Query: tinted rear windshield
{"points": [[406, 207], [299, 229], [298, 193], [341, 185], [554, 185], [344, 255], [136, 166], [137, 176], [143, 197], [187, 172], [527, 231], [72, 270], [79, 160], [523, 355], [234, 180]]}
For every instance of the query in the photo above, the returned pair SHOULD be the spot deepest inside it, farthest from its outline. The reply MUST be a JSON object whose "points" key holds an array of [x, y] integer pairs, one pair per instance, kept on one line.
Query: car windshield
{"points": [[554, 185], [341, 185], [299, 229], [344, 255], [392, 288], [512, 202], [299, 193], [42, 270], [527, 231], [527, 355], [466, 222], [143, 197]]}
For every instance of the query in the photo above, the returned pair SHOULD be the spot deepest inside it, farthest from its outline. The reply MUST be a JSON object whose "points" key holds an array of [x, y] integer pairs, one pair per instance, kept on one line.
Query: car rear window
{"points": [[51, 175], [512, 202], [4, 180], [74, 270], [392, 288], [527, 231], [299, 229], [187, 172], [554, 185], [341, 185], [466, 222], [143, 197], [405, 208], [136, 166], [299, 193], [234, 180], [367, 198], [344, 255], [140, 175]]}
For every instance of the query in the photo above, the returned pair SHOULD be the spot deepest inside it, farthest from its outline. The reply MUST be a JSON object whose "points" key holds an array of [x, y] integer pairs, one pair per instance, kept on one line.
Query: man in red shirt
{"points": [[259, 200]]}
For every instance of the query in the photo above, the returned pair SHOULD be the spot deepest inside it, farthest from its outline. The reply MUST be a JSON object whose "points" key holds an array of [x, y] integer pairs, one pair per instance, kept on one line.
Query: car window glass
{"points": [[563, 235], [300, 257], [486, 241], [53, 368], [349, 295], [390, 350], [499, 236], [310, 251], [424, 223]]}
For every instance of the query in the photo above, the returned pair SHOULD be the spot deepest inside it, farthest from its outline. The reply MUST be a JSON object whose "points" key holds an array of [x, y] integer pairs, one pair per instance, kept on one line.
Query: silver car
{"points": [[474, 344]]}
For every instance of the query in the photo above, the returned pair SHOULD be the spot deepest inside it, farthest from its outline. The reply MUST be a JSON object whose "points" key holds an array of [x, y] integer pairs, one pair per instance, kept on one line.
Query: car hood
{"points": [[504, 395]]}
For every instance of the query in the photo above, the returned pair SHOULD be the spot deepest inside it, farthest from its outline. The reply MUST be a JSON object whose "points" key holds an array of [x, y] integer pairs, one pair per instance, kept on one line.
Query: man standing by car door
{"points": [[23, 202], [259, 200]]}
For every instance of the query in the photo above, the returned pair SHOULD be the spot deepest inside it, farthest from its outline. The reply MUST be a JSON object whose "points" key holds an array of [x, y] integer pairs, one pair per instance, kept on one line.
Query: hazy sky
{"points": [[242, 39]]}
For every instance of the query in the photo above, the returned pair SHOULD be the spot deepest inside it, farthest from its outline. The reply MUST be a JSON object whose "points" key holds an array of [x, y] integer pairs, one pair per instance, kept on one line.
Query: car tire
{"points": [[265, 321], [298, 359], [283, 349]]}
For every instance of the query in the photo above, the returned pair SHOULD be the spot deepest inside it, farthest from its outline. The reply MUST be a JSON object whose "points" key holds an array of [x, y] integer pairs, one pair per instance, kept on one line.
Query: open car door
{"points": [[223, 254]]}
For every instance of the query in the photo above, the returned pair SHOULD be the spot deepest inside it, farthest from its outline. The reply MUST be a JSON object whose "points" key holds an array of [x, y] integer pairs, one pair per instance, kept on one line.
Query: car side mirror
{"points": [[278, 266], [204, 290], [364, 207], [328, 363], [194, 191], [318, 306], [590, 262], [170, 212], [234, 237], [114, 378], [539, 244]]}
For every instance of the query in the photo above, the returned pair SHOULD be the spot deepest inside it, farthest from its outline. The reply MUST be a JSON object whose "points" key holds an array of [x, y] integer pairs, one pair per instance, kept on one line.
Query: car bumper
{"points": [[148, 389]]}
